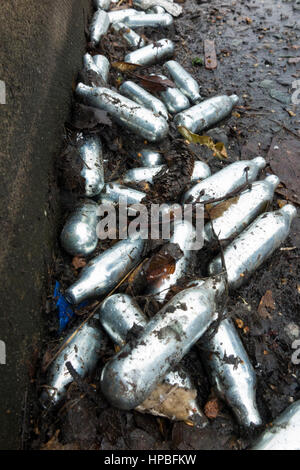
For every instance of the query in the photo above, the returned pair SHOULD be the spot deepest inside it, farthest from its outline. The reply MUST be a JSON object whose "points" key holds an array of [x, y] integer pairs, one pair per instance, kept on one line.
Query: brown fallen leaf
{"points": [[218, 210], [155, 83], [125, 66], [267, 303], [212, 408], [239, 323], [78, 262], [160, 265], [219, 148]]}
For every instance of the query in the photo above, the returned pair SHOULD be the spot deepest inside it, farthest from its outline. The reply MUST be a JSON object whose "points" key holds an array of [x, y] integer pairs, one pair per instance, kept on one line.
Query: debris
{"points": [[219, 149], [266, 303], [210, 55], [65, 310], [212, 408]]}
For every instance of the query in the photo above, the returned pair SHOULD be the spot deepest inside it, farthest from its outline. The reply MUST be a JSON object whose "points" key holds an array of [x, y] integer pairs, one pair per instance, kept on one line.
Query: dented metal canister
{"points": [[234, 380], [136, 175], [90, 151], [104, 272], [174, 100], [168, 336], [131, 37], [148, 157], [79, 236], [230, 178], [104, 4], [185, 82], [82, 350], [152, 54], [125, 112], [254, 245], [151, 19], [184, 234], [283, 433], [207, 113], [144, 98], [229, 218], [118, 16], [118, 315], [99, 26], [114, 192]]}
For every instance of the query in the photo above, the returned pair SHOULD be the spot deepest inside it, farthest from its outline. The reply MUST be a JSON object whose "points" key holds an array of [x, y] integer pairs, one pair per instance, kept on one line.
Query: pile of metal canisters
{"points": [[147, 374]]}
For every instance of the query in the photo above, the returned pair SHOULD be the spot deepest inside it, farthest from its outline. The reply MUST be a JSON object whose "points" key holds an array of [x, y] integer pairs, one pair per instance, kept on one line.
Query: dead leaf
{"points": [[160, 265], [219, 148], [125, 66], [267, 303], [155, 83], [219, 209], [239, 323], [54, 444], [212, 408], [78, 262]]}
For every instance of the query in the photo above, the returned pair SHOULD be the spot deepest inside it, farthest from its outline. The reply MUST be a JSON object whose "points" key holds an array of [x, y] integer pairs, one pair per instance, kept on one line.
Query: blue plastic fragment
{"points": [[65, 310]]}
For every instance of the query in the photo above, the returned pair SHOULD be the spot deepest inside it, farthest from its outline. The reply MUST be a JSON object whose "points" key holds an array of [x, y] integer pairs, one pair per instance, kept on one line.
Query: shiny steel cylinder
{"points": [[184, 234], [138, 368], [104, 4], [82, 351], [184, 81], [157, 10], [230, 178], [152, 54], [144, 98], [102, 64], [90, 151], [137, 175], [174, 100], [125, 112], [243, 209], [283, 433], [104, 272], [254, 245], [207, 113], [113, 192], [99, 26], [118, 314], [234, 380], [131, 37], [151, 19], [149, 158], [118, 16], [79, 236]]}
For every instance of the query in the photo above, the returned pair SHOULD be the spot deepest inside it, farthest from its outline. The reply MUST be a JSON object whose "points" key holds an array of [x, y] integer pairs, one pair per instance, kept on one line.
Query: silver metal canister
{"points": [[118, 315], [98, 63], [125, 112], [234, 380], [283, 433], [254, 245], [79, 236], [184, 234], [152, 54], [151, 19], [185, 82], [144, 98], [207, 113], [131, 37], [174, 100], [82, 351], [104, 4], [90, 151], [230, 178], [118, 16], [233, 216], [156, 9], [138, 368], [99, 26], [105, 271], [114, 192]]}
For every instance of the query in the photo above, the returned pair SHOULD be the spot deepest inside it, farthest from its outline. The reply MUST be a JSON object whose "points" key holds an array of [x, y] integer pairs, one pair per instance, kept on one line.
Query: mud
{"points": [[254, 42]]}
